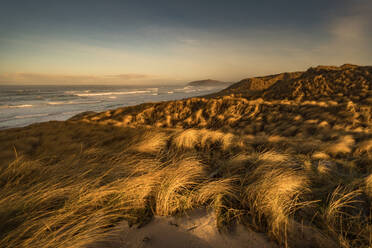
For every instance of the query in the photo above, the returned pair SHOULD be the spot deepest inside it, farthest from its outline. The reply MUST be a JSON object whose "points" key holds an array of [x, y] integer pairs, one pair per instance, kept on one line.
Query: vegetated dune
{"points": [[339, 95], [254, 86], [285, 163], [345, 83]]}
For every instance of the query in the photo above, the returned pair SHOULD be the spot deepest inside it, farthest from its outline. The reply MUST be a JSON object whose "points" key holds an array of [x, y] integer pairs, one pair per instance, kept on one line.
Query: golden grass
{"points": [[187, 139], [175, 188], [152, 142], [369, 186], [67, 184], [365, 147], [343, 146], [274, 193], [209, 191], [320, 155], [344, 218], [204, 139]]}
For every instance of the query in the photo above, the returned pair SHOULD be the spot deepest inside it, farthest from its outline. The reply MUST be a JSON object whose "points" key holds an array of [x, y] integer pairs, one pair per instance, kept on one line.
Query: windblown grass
{"points": [[68, 184]]}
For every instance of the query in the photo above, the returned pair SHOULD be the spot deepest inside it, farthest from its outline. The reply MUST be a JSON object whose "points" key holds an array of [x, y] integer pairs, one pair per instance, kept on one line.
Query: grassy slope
{"points": [[301, 172]]}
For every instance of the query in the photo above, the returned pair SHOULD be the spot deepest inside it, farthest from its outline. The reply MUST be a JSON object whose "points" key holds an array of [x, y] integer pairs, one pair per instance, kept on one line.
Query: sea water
{"points": [[24, 105]]}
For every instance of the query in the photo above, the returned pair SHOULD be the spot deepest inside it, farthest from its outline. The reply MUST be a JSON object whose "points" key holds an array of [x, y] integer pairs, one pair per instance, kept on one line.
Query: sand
{"points": [[196, 229]]}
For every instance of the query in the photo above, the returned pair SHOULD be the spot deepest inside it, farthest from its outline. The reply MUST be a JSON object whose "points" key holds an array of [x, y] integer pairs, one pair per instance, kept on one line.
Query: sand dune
{"points": [[340, 95], [344, 83], [276, 161]]}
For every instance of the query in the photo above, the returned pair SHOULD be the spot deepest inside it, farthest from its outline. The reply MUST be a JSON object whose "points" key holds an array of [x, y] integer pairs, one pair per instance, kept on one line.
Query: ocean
{"points": [[24, 105]]}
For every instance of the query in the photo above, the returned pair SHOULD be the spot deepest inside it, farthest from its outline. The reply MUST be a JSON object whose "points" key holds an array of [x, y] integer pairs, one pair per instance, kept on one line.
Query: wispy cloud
{"points": [[130, 76], [186, 53], [351, 34], [350, 28]]}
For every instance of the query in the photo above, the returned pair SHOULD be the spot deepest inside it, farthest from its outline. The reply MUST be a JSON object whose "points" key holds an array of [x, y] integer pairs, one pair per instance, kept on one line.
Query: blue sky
{"points": [[133, 42]]}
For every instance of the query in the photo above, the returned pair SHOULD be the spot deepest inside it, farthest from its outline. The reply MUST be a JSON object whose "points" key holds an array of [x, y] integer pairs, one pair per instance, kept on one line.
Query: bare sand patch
{"points": [[196, 229]]}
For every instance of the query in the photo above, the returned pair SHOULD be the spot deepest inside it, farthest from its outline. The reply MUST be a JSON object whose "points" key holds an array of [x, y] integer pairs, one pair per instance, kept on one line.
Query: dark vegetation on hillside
{"points": [[340, 96], [348, 82]]}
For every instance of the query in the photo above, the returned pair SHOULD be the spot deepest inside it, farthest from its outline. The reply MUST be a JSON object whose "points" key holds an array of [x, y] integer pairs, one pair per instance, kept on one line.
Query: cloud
{"points": [[190, 42], [40, 78], [187, 53], [130, 76], [351, 34], [351, 29]]}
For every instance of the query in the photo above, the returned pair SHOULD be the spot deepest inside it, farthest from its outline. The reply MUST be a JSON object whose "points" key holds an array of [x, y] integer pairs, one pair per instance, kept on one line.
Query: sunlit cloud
{"points": [[185, 52], [351, 35]]}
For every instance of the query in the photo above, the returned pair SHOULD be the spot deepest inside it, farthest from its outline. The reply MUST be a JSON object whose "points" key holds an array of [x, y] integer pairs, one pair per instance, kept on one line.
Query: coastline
{"points": [[277, 168]]}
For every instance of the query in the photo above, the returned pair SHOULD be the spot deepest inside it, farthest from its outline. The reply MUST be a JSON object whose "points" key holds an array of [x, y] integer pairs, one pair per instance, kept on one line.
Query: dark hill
{"points": [[208, 82], [254, 86]]}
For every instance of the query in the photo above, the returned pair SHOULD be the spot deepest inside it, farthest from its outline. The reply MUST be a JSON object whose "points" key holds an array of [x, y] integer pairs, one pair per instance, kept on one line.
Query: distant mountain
{"points": [[208, 82]]}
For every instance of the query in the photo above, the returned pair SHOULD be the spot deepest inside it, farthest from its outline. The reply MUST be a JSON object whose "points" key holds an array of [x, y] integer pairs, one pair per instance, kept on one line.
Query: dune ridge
{"points": [[344, 83], [337, 97], [208, 82]]}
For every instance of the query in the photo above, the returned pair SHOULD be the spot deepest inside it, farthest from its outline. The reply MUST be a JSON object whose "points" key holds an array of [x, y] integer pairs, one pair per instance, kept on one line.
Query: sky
{"points": [[173, 41]]}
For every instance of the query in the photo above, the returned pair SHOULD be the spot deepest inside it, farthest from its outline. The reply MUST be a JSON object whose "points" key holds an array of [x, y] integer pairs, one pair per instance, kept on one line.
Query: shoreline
{"points": [[280, 167]]}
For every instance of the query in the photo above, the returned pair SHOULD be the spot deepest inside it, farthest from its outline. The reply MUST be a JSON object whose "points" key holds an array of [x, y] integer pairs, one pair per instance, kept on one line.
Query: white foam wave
{"points": [[73, 92], [186, 89], [72, 102], [29, 116], [153, 89], [58, 103], [114, 93], [17, 106]]}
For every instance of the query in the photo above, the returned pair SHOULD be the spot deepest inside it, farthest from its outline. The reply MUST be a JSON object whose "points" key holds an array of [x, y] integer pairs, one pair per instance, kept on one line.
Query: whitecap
{"points": [[72, 102], [29, 116], [153, 89], [114, 93], [57, 103], [17, 106]]}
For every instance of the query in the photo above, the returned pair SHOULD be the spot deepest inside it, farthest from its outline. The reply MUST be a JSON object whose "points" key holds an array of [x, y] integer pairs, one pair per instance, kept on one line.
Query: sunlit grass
{"points": [[291, 159], [69, 190]]}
